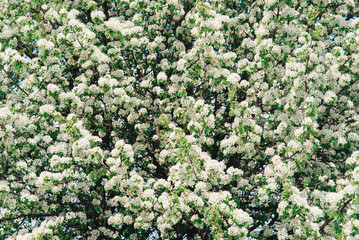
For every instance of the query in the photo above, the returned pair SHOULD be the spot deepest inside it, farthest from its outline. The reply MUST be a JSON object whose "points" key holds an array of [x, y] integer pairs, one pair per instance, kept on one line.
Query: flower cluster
{"points": [[168, 119]]}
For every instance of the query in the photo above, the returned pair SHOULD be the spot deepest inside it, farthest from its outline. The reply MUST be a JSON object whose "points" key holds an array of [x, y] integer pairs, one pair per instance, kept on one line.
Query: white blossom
{"points": [[48, 108], [45, 43], [179, 119]]}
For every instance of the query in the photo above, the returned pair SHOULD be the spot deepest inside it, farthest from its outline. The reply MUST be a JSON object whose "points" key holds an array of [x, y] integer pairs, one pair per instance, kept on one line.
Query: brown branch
{"points": [[248, 35], [15, 83], [158, 132], [329, 220], [105, 9], [34, 215]]}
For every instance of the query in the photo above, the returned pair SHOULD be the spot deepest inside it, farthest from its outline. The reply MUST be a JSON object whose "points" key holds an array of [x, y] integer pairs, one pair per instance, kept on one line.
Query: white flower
{"points": [[162, 76], [261, 30], [116, 219], [110, 82], [148, 193], [98, 14], [241, 217], [4, 186], [127, 219], [298, 132], [214, 24], [135, 42], [181, 64], [48, 108], [333, 198], [234, 230], [342, 140], [217, 197], [307, 121], [233, 78], [329, 96], [270, 151], [162, 183], [45, 43], [53, 88], [4, 112], [83, 143], [21, 165], [114, 24], [270, 3], [281, 129], [244, 84], [298, 200], [72, 14], [99, 56], [316, 212]]}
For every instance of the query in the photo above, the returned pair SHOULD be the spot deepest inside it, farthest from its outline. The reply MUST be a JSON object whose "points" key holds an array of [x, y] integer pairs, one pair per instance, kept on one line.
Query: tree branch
{"points": [[329, 220]]}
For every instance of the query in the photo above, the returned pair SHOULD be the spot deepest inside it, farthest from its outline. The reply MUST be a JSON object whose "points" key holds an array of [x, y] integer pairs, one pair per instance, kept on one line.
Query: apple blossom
{"points": [[174, 119]]}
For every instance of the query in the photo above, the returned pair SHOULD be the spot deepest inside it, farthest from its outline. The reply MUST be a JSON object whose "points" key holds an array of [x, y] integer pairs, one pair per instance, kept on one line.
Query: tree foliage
{"points": [[175, 119]]}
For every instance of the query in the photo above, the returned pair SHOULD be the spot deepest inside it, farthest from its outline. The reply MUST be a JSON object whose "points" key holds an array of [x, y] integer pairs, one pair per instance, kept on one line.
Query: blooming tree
{"points": [[175, 119]]}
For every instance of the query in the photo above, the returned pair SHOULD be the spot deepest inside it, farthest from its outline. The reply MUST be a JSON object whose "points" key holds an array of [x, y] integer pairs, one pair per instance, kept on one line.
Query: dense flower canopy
{"points": [[176, 119]]}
